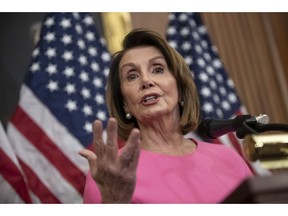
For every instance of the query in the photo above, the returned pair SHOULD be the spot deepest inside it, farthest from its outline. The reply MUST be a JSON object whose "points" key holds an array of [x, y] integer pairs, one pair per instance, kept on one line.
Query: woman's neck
{"points": [[172, 143]]}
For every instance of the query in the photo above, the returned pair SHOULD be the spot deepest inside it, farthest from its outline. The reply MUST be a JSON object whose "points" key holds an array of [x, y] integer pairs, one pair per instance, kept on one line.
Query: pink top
{"points": [[207, 175]]}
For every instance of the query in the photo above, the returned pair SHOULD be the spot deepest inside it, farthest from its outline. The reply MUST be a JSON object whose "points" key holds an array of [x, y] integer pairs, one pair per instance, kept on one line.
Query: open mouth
{"points": [[150, 99]]}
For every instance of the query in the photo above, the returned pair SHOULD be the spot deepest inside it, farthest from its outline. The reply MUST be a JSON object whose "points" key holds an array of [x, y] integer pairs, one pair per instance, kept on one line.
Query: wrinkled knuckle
{"points": [[110, 143], [126, 156]]}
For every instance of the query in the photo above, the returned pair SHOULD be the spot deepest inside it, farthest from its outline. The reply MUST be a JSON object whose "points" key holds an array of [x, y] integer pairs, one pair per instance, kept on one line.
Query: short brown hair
{"points": [[186, 87]]}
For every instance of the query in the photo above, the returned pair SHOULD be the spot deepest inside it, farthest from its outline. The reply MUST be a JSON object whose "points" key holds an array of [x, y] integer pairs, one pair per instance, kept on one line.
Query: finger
{"points": [[131, 151], [91, 158], [111, 144], [97, 138]]}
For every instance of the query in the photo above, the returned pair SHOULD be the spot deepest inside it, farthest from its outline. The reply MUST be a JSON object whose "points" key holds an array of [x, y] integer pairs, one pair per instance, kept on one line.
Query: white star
{"points": [[214, 49], [78, 29], [204, 44], [83, 60], [50, 36], [76, 15], [51, 52], [184, 31], [97, 82], [95, 66], [219, 113], [105, 57], [69, 71], [88, 127], [230, 83], [84, 76], [35, 52], [203, 76], [207, 56], [71, 105], [87, 110], [101, 115], [192, 23], [189, 60], [52, 85], [198, 49], [173, 44], [207, 107], [217, 63], [65, 23], [183, 17], [81, 44], [51, 69], [90, 36], [106, 71], [195, 35], [232, 98], [205, 91], [213, 84], [216, 98], [210, 70], [70, 88], [201, 62], [222, 90], [171, 31], [49, 22], [35, 67], [92, 51], [202, 29], [66, 39], [102, 41], [68, 55], [85, 93], [171, 16], [219, 77], [88, 20], [99, 99], [225, 105], [186, 45]]}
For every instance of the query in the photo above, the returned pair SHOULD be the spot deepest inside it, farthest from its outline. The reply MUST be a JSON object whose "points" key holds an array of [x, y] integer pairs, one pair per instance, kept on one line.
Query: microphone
{"points": [[212, 128]]}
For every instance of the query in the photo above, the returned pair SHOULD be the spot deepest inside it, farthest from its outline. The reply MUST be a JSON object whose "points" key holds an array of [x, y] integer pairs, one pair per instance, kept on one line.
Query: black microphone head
{"points": [[203, 129]]}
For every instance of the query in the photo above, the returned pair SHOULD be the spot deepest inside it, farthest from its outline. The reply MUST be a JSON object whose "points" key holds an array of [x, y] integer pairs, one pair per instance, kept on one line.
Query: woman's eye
{"points": [[131, 76], [158, 70]]}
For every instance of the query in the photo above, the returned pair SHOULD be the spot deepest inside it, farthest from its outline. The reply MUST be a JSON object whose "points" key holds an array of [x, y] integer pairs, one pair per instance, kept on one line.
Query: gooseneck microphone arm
{"points": [[242, 125]]}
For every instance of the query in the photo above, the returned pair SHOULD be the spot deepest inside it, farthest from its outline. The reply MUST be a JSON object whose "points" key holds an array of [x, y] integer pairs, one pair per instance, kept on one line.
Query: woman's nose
{"points": [[147, 84]]}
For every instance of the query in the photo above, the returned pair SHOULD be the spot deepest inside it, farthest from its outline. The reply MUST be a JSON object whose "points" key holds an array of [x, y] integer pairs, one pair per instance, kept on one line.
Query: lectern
{"points": [[261, 189]]}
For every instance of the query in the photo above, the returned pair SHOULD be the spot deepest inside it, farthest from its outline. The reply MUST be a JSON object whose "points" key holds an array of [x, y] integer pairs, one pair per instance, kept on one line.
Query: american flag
{"points": [[218, 98], [62, 94]]}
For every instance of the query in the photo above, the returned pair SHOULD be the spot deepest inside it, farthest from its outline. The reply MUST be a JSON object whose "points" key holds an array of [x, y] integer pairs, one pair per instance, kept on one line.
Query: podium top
{"points": [[261, 189]]}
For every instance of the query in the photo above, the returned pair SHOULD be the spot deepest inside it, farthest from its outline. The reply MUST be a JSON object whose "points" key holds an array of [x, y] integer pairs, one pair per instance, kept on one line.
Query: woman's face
{"points": [[148, 87]]}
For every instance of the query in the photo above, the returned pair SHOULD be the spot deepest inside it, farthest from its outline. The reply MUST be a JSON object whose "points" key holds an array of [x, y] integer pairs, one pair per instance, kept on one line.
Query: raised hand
{"points": [[114, 173]]}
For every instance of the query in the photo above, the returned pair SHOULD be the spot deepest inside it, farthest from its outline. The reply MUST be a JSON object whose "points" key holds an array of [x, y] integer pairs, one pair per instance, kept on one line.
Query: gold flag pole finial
{"points": [[115, 27]]}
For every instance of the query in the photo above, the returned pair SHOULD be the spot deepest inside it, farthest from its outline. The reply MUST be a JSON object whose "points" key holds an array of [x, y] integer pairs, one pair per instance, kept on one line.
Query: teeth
{"points": [[149, 98]]}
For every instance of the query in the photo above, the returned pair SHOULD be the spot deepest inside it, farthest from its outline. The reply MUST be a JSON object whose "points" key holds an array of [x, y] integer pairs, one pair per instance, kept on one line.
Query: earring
{"points": [[182, 103], [128, 116]]}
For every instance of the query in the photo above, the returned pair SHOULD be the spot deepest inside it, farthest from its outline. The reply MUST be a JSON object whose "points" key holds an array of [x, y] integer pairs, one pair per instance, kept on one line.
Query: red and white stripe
{"points": [[12, 182], [47, 152]]}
